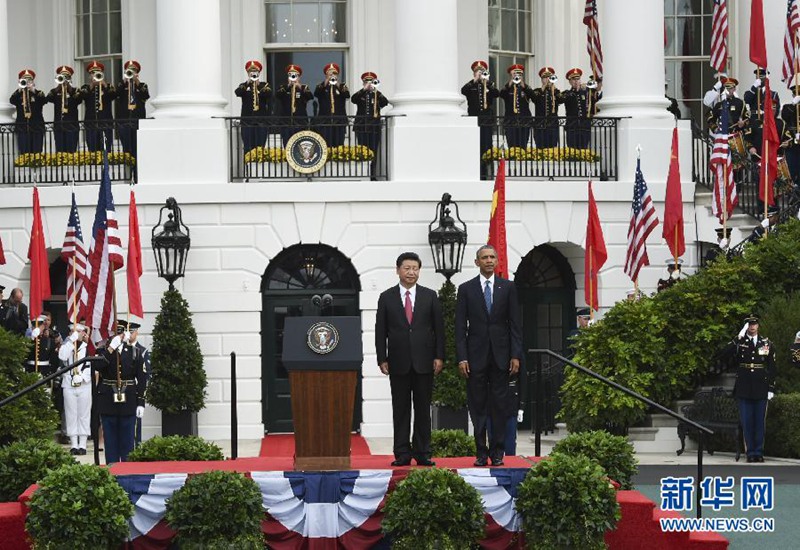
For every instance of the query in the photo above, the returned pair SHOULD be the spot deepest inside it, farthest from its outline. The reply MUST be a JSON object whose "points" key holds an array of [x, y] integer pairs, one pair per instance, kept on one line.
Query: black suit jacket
{"points": [[413, 346], [15, 320], [478, 332]]}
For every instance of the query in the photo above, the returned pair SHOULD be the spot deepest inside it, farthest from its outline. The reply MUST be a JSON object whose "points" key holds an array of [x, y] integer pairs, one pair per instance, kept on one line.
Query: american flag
{"points": [[790, 40], [593, 45], [724, 186], [719, 35], [643, 221], [74, 255], [105, 256]]}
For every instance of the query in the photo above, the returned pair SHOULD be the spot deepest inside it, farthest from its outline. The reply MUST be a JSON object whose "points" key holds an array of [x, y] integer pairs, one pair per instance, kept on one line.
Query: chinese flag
{"points": [[134, 261], [673, 204], [497, 221], [769, 152], [2, 254], [40, 268], [758, 45], [596, 254]]}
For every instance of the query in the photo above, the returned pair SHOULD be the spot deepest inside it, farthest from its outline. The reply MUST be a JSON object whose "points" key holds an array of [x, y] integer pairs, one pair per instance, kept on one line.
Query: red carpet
{"points": [[276, 445]]}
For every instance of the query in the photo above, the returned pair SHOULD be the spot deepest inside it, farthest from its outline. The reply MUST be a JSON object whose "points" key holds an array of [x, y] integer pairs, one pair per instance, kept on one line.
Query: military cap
{"points": [[761, 72], [123, 325], [253, 65], [583, 312], [729, 82], [65, 69], [574, 73], [292, 68], [483, 65], [751, 319], [331, 68], [546, 71], [133, 65], [515, 68], [95, 66], [27, 73], [369, 75]]}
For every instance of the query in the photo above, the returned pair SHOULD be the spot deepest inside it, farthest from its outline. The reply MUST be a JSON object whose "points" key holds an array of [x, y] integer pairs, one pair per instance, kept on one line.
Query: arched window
{"points": [[309, 267]]}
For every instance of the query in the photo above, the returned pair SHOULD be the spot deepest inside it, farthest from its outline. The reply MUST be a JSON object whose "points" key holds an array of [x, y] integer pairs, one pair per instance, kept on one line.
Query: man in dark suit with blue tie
{"points": [[409, 344], [489, 349]]}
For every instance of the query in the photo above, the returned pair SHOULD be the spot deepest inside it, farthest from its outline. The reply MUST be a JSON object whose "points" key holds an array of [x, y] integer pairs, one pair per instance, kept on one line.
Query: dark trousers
{"points": [[119, 436], [518, 131], [753, 416], [793, 160], [546, 134], [254, 134], [487, 396], [371, 137], [578, 133], [94, 135], [511, 434], [333, 129], [292, 125], [127, 131], [66, 136], [405, 388], [30, 139]]}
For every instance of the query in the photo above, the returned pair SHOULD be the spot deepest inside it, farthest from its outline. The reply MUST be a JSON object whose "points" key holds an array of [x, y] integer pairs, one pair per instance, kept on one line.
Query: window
{"points": [[99, 29], [509, 37]]}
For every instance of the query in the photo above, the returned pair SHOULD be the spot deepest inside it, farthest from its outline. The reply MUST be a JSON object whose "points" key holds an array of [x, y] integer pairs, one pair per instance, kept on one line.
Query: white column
{"points": [[632, 33], [6, 109]]}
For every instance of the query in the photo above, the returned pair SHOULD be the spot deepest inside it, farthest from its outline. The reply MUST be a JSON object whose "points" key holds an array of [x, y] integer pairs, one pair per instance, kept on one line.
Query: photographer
{"points": [[15, 314]]}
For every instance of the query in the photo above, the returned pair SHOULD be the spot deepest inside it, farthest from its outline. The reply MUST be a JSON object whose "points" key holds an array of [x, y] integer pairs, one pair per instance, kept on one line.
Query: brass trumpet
{"points": [[128, 74], [98, 76], [23, 82], [61, 79]]}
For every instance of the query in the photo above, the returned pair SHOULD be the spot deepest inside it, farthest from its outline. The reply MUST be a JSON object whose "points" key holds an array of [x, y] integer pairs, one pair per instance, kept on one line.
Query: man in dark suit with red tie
{"points": [[489, 349], [409, 343]]}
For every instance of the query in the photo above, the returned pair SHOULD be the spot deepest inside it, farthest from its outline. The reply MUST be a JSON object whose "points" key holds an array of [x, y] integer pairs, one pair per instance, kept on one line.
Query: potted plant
{"points": [[217, 510], [449, 387], [452, 516], [567, 502], [177, 385], [452, 443], [79, 506], [24, 463], [613, 452], [176, 447]]}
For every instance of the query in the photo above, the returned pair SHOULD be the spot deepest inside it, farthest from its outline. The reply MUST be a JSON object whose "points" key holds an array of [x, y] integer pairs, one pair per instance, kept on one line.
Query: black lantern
{"points": [[171, 244], [447, 240]]}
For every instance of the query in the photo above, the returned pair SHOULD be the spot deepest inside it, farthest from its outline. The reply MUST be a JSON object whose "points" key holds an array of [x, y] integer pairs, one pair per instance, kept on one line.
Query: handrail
{"points": [[45, 379], [679, 417]]}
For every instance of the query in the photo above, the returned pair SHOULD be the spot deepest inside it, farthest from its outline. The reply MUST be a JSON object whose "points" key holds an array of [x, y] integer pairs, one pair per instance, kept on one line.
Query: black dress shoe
{"points": [[425, 462], [759, 459], [751, 459], [497, 461], [401, 462], [481, 461], [73, 451], [81, 452]]}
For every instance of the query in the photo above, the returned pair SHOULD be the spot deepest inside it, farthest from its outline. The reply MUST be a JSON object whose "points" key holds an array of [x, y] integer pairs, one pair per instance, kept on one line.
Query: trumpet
{"points": [[553, 79], [517, 79], [292, 77], [591, 84], [485, 75], [23, 82], [98, 76], [333, 80], [128, 74], [61, 79], [254, 77]]}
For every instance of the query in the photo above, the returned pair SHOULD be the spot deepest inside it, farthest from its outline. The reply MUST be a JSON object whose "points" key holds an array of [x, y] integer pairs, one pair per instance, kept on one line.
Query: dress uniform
{"points": [[737, 110], [673, 275], [481, 94], [789, 116], [755, 384], [120, 395], [292, 99], [766, 225], [46, 341], [332, 96], [516, 96], [65, 99], [145, 354], [29, 125], [98, 99], [369, 102], [132, 94], [256, 96], [794, 351], [76, 386], [754, 100], [546, 100], [580, 104]]}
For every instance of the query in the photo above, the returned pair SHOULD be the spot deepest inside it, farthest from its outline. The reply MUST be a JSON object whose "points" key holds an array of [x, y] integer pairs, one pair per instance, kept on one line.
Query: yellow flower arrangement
{"points": [[557, 154], [81, 158], [265, 154], [347, 153]]}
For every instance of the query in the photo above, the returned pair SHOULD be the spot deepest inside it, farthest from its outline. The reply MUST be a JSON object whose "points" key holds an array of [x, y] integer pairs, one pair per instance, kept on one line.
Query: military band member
{"points": [[98, 99], [120, 395], [516, 96], [673, 274], [29, 102], [369, 102], [737, 110], [43, 356], [65, 99], [332, 95], [580, 104], [76, 386], [754, 100], [755, 384], [767, 225], [481, 93], [292, 98], [546, 100], [789, 116], [256, 95], [132, 94]]}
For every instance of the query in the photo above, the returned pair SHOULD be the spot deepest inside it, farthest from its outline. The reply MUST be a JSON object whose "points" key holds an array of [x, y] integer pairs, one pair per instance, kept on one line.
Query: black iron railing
{"points": [[65, 152], [358, 148]]}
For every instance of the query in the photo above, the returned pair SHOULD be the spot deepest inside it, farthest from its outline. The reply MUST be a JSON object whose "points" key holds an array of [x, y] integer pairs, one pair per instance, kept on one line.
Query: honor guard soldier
{"points": [[546, 100], [76, 386], [255, 95], [755, 384], [292, 99], [145, 355], [754, 100], [673, 274], [120, 396], [481, 93], [132, 94], [580, 104], [29, 102], [737, 110], [98, 99], [767, 225], [794, 351], [65, 99], [789, 114], [369, 102], [43, 356], [516, 95], [332, 95]]}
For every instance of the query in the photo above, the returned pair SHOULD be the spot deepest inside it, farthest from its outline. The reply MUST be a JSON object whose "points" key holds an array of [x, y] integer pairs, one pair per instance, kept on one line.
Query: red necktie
{"points": [[409, 310]]}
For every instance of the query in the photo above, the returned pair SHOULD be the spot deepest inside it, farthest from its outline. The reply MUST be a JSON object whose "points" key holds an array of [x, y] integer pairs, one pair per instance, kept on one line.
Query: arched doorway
{"points": [[546, 286], [291, 279]]}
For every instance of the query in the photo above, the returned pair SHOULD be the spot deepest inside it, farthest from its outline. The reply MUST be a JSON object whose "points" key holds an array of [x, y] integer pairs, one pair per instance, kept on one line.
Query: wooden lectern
{"points": [[323, 356]]}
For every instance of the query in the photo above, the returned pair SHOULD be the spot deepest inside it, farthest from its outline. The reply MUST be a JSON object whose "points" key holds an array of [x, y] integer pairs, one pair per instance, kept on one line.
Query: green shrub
{"points": [[780, 320], [32, 415], [26, 462], [79, 506], [567, 502], [449, 387], [217, 510], [613, 452], [782, 437], [175, 447], [451, 443], [434, 508]]}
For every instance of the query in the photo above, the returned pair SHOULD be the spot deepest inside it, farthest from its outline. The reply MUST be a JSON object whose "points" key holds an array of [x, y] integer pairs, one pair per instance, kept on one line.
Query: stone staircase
{"points": [[741, 224]]}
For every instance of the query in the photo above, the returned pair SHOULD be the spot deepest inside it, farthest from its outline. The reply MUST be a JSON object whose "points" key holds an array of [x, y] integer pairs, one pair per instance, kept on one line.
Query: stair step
{"points": [[660, 420], [642, 433]]}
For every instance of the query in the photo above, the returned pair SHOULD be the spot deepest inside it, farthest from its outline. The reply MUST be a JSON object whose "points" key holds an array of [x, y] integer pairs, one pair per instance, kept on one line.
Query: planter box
{"points": [[182, 423], [448, 418]]}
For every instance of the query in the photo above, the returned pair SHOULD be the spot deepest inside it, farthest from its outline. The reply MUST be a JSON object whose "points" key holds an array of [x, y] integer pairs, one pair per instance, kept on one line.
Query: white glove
{"points": [[126, 337], [770, 395], [723, 244], [73, 337], [796, 99], [35, 333], [115, 343], [139, 412], [520, 415], [744, 330], [717, 85], [757, 83], [765, 223]]}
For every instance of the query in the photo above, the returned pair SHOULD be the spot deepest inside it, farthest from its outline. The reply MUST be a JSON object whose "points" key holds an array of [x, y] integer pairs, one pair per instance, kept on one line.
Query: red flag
{"points": [[758, 45], [497, 221], [40, 268], [2, 254], [769, 151], [596, 254], [673, 204], [134, 261]]}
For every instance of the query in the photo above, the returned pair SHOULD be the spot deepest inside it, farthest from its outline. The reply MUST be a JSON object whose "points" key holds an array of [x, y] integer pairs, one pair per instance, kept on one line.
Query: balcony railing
{"points": [[65, 152], [357, 148]]}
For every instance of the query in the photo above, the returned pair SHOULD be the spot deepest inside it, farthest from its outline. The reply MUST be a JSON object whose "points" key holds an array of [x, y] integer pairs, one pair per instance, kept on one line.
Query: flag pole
{"points": [[724, 204], [765, 166], [591, 285]]}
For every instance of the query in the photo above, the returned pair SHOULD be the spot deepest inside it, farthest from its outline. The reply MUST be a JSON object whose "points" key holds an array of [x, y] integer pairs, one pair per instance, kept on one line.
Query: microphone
{"points": [[316, 300], [327, 300]]}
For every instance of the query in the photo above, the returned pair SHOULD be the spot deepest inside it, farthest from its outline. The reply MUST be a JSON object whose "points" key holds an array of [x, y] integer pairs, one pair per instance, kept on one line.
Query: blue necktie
{"points": [[487, 296]]}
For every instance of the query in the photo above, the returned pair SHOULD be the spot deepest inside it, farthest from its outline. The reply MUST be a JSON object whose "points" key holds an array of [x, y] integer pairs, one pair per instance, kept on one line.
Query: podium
{"points": [[323, 356]]}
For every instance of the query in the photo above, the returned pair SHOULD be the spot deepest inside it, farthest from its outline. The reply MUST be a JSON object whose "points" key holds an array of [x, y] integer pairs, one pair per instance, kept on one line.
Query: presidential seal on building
{"points": [[322, 337], [306, 152]]}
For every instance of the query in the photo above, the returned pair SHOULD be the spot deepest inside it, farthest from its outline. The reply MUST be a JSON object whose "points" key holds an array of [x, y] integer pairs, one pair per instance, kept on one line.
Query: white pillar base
{"points": [[183, 151], [178, 106], [429, 104], [636, 107]]}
